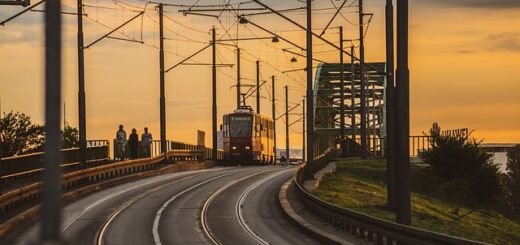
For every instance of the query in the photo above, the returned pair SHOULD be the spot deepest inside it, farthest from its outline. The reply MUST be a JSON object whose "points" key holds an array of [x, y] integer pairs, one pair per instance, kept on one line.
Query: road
{"points": [[216, 206]]}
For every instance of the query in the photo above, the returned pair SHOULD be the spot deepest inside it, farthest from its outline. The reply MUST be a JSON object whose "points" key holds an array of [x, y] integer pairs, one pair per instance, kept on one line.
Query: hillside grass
{"points": [[360, 185]]}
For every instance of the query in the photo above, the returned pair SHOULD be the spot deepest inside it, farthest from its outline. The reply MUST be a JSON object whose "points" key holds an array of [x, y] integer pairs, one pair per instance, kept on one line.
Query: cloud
{"points": [[476, 3], [504, 41]]}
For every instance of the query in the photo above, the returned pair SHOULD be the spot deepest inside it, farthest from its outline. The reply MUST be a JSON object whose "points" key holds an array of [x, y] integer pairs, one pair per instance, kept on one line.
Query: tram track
{"points": [[207, 203]]}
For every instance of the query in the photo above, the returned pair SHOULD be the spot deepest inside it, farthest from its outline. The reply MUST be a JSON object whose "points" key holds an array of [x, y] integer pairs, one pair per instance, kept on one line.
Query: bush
{"points": [[513, 180], [460, 158]]}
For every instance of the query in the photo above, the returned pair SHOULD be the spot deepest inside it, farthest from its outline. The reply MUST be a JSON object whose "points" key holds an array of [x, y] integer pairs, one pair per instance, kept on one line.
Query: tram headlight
{"points": [[234, 147], [248, 148]]}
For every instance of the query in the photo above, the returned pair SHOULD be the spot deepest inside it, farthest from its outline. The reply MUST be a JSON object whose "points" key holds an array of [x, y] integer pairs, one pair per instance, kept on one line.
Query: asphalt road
{"points": [[216, 206]]}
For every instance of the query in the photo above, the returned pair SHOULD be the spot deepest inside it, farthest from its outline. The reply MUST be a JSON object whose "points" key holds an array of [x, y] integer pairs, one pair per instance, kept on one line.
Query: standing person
{"points": [[121, 143], [133, 141], [146, 139]]}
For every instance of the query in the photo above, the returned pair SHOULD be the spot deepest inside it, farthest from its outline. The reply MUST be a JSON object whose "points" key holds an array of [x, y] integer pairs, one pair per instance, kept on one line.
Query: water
{"points": [[500, 158]]}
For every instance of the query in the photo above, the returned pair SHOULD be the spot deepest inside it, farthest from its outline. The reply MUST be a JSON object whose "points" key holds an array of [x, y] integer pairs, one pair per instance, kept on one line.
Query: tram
{"points": [[248, 138]]}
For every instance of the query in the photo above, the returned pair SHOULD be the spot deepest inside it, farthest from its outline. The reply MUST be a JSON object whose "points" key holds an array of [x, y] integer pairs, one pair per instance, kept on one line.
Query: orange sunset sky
{"points": [[464, 63]]}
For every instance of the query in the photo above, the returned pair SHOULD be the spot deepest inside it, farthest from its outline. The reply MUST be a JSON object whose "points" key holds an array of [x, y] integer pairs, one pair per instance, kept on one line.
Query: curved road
{"points": [[215, 206]]}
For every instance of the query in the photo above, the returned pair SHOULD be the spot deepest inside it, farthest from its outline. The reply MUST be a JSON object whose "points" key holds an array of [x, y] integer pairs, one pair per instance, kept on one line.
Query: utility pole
{"points": [[81, 87], [353, 93], [273, 110], [303, 130], [390, 106], [162, 98], [287, 146], [310, 96], [402, 96], [363, 85], [238, 77], [258, 86], [342, 94], [214, 93], [51, 186]]}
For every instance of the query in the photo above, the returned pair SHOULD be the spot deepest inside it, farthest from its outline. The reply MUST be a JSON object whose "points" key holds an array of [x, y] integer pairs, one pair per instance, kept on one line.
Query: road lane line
{"points": [[240, 202], [203, 219]]}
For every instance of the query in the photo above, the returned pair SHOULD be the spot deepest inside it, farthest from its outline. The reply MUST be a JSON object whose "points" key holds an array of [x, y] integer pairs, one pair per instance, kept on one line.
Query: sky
{"points": [[464, 61]]}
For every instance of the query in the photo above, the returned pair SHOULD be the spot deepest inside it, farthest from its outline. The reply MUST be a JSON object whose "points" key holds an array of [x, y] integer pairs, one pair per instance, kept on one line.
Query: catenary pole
{"points": [[403, 178], [214, 93], [51, 190], [363, 85], [303, 130], [258, 86], [82, 114], [162, 99], [342, 93], [353, 93], [390, 106], [238, 77], [310, 96], [273, 111], [287, 146]]}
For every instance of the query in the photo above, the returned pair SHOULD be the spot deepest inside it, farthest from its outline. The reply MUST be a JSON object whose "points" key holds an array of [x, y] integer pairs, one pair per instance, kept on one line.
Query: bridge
{"points": [[184, 194]]}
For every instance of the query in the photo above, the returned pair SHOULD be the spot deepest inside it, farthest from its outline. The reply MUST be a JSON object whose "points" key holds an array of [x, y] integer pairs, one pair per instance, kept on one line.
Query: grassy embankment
{"points": [[360, 185]]}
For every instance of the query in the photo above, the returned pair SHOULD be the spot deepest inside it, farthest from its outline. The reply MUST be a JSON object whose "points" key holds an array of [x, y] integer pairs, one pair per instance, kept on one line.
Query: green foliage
{"points": [[513, 180], [19, 135], [360, 185], [459, 158], [69, 137]]}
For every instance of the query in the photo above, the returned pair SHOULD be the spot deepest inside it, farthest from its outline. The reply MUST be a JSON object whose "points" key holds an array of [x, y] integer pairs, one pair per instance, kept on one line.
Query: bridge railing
{"points": [[32, 164], [362, 225], [180, 151], [418, 143]]}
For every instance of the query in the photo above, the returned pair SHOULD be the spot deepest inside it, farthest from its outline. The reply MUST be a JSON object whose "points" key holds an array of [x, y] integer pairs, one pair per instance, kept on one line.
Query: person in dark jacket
{"points": [[133, 142]]}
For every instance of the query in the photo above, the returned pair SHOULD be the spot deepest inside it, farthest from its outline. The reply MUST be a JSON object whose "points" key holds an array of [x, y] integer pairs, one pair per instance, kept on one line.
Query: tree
{"points": [[513, 179], [461, 158], [69, 137], [19, 135]]}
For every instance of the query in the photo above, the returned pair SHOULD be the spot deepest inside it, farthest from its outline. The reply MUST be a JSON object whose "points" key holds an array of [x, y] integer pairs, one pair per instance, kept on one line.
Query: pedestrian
{"points": [[133, 141], [121, 143], [146, 140]]}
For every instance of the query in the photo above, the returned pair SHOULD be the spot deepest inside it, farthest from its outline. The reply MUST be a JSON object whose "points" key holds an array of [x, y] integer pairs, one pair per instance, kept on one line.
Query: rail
{"points": [[365, 226]]}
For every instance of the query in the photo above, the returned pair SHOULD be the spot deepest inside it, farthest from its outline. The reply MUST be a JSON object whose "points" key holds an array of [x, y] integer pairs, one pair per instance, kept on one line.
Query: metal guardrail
{"points": [[32, 192], [32, 164], [155, 150], [365, 226]]}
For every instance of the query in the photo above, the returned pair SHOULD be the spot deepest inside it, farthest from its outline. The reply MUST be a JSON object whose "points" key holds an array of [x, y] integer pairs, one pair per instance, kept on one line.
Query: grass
{"points": [[360, 185]]}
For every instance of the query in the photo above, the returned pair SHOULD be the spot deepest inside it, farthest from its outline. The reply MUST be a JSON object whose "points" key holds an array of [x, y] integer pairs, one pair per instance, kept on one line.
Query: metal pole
{"points": [[303, 130], [390, 107], [81, 87], [287, 146], [273, 110], [258, 86], [161, 63], [51, 214], [310, 96], [342, 94], [403, 175], [238, 77], [353, 93], [214, 93], [363, 85]]}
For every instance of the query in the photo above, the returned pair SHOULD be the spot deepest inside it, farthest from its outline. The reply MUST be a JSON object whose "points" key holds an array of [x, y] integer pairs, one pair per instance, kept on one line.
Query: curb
{"points": [[68, 197], [322, 235]]}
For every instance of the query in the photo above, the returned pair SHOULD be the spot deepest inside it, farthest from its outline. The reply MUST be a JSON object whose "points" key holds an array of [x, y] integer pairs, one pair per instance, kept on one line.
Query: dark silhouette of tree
{"points": [[19, 135], [513, 179], [69, 137], [453, 158]]}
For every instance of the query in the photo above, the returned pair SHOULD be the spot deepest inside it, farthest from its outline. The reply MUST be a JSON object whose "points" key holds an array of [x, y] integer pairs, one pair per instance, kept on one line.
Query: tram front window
{"points": [[240, 126]]}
